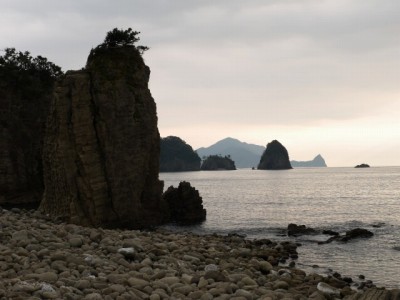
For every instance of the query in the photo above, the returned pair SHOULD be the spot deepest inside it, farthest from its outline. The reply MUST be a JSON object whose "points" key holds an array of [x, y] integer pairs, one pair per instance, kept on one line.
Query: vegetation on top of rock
{"points": [[118, 38], [218, 162], [177, 156], [275, 157], [30, 75], [26, 88]]}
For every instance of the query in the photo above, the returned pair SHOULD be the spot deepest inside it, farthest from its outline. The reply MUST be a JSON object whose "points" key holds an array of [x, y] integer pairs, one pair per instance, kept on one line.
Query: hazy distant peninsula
{"points": [[177, 156], [318, 162], [243, 154], [275, 157], [218, 162]]}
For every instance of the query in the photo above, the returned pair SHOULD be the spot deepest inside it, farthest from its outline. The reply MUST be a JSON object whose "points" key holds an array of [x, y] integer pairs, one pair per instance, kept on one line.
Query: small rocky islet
{"points": [[44, 259]]}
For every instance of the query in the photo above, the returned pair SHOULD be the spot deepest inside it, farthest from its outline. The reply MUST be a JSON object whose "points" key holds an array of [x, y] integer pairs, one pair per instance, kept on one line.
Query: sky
{"points": [[320, 76]]}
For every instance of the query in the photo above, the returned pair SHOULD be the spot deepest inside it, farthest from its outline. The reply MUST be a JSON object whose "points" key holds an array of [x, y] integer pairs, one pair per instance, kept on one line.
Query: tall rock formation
{"points": [[275, 157], [101, 149], [26, 87]]}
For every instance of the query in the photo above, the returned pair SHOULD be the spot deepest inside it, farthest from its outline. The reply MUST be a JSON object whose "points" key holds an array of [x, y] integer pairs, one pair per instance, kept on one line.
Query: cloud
{"points": [[230, 64]]}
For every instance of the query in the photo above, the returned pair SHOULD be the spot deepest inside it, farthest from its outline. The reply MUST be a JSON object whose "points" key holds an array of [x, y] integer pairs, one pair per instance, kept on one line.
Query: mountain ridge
{"points": [[247, 155], [244, 155]]}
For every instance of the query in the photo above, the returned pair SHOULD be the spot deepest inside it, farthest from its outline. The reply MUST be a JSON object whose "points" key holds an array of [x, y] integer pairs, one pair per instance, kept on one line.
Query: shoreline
{"points": [[40, 259]]}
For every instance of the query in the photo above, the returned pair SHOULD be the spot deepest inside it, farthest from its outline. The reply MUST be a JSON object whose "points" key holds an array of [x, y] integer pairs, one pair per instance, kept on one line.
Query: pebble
{"points": [[44, 260]]}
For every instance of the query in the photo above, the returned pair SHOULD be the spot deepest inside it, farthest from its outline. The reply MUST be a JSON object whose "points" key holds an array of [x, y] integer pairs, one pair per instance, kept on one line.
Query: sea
{"points": [[260, 204]]}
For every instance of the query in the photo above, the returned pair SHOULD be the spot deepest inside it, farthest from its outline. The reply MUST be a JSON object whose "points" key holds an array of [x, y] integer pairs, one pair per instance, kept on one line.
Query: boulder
{"points": [[356, 233], [275, 157], [296, 230], [185, 206], [350, 235], [102, 145]]}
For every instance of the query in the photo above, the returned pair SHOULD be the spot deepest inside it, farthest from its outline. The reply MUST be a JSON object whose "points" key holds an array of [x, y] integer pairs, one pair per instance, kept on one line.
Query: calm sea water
{"points": [[260, 204]]}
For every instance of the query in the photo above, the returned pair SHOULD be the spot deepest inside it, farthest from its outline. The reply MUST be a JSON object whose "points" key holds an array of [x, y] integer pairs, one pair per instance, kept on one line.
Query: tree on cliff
{"points": [[177, 156], [26, 88], [23, 61], [122, 38]]}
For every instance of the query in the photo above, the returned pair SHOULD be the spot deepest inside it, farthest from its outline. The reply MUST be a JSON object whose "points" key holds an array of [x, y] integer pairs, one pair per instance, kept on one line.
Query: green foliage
{"points": [[122, 38], [28, 74], [218, 162], [13, 60], [177, 156]]}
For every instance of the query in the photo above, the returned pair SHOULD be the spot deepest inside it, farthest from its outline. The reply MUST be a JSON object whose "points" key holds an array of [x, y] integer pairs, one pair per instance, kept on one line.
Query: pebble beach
{"points": [[44, 259]]}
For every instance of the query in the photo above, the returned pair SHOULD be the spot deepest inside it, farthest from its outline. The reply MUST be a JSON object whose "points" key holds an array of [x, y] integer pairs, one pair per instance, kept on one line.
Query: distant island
{"points": [[243, 154], [318, 161], [177, 156], [275, 157], [362, 166], [218, 162]]}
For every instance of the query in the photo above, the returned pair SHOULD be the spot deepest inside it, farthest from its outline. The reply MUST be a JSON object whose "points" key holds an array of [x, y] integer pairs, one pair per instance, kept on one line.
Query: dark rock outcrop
{"points": [[350, 235], [217, 163], [101, 147], [297, 230], [25, 94], [185, 206], [275, 157], [177, 156], [362, 166], [317, 162]]}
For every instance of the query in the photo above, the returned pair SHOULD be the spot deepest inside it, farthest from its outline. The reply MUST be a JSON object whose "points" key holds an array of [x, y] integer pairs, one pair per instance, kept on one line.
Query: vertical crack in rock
{"points": [[101, 158]]}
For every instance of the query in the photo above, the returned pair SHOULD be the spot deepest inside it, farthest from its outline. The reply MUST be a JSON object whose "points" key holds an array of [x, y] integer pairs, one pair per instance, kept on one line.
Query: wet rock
{"points": [[185, 206], [297, 230]]}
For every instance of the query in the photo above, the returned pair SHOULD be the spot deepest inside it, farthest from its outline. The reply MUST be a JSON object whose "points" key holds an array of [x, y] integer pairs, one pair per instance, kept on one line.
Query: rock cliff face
{"points": [[275, 157], [22, 118], [102, 144]]}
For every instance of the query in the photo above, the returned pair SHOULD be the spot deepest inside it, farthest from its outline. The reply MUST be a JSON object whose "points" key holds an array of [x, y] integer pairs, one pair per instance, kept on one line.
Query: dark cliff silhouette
{"points": [[26, 88], [275, 157], [177, 156]]}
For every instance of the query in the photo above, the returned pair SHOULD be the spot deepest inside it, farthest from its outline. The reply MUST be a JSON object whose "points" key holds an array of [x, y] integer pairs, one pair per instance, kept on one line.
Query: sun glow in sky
{"points": [[322, 77]]}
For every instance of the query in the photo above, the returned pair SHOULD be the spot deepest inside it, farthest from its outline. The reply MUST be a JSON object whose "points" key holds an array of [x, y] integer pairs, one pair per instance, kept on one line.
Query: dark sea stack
{"points": [[362, 166], [177, 156], [25, 94], [185, 206], [218, 163], [275, 157], [102, 145]]}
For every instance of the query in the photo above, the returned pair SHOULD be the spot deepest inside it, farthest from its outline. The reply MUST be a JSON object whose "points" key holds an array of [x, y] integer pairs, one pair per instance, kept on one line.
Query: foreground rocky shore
{"points": [[40, 259]]}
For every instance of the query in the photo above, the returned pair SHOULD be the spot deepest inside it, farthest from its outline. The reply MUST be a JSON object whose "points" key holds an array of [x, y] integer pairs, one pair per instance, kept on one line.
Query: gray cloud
{"points": [[235, 63]]}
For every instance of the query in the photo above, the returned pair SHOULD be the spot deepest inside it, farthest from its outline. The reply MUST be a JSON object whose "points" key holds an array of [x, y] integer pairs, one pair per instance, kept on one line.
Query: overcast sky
{"points": [[320, 76]]}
